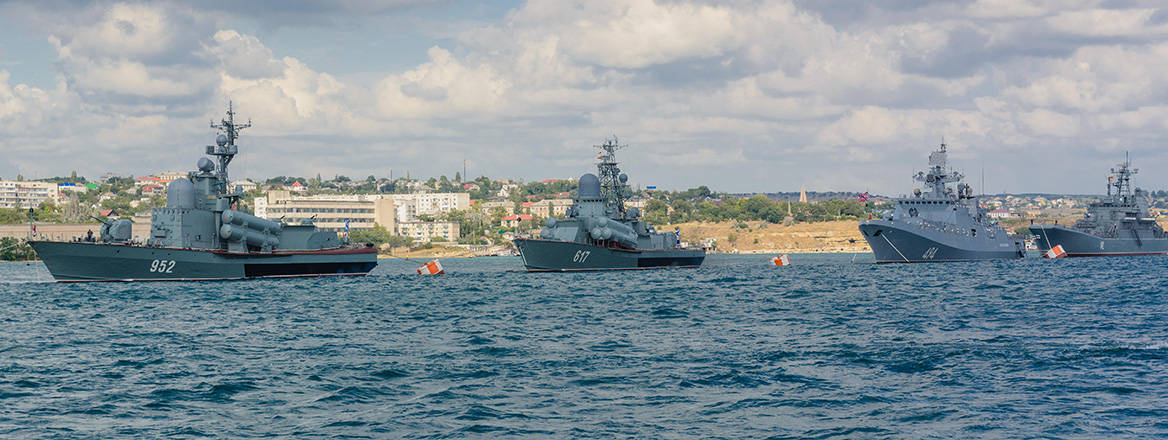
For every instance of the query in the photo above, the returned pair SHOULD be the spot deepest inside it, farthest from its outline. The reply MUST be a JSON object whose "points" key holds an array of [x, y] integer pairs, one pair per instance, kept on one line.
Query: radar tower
{"points": [[225, 148], [612, 182], [1120, 179]]}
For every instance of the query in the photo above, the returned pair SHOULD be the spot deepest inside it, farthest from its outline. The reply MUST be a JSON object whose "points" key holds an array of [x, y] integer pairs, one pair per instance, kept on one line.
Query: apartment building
{"points": [[329, 212], [24, 194], [410, 206], [424, 232]]}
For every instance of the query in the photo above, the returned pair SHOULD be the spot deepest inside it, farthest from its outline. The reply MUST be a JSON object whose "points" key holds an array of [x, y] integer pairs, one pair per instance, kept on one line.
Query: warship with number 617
{"points": [[599, 233], [1117, 225], [200, 235], [939, 224]]}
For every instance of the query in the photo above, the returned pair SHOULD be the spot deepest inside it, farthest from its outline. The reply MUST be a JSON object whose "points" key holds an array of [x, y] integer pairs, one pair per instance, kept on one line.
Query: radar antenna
{"points": [[1120, 178], [225, 148], [612, 182], [938, 173]]}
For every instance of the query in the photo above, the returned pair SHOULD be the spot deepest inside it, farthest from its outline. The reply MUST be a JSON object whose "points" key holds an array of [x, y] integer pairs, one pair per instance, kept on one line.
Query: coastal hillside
{"points": [[763, 237]]}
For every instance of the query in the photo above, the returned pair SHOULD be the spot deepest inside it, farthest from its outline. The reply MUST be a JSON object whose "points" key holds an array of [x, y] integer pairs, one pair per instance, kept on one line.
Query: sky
{"points": [[740, 96]]}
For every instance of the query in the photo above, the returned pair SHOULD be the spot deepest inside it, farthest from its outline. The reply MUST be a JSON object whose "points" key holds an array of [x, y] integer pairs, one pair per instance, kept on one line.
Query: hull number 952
{"points": [[162, 266], [581, 256]]}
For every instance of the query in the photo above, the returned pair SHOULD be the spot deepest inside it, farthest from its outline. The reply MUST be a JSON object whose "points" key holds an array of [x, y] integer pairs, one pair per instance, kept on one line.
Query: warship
{"points": [[200, 235], [940, 224], [1119, 224], [599, 233]]}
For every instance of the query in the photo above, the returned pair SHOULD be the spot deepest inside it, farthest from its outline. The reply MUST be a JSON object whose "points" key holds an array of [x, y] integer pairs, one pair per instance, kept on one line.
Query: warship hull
{"points": [[1080, 244], [906, 243], [552, 255], [76, 262]]}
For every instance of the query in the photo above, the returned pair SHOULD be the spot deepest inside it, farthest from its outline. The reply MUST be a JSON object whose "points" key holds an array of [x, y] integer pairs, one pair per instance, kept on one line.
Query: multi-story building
{"points": [[166, 178], [551, 207], [425, 232], [486, 207], [244, 185], [329, 212], [410, 206], [22, 194]]}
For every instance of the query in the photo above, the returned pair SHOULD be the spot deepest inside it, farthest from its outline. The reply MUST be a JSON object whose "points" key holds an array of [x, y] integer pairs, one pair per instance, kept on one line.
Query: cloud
{"points": [[727, 94]]}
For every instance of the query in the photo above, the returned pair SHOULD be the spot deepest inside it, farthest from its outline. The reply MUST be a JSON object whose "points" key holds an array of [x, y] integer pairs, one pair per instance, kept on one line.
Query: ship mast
{"points": [[225, 148], [1120, 179], [612, 182], [938, 174]]}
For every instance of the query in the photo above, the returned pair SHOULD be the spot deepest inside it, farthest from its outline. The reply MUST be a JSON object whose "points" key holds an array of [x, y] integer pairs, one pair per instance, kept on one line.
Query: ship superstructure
{"points": [[1118, 224], [200, 234], [598, 232], [941, 223]]}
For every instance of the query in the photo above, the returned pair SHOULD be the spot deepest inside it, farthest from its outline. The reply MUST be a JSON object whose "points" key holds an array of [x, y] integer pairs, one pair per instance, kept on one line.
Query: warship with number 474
{"points": [[939, 224], [600, 233], [201, 235], [1119, 224]]}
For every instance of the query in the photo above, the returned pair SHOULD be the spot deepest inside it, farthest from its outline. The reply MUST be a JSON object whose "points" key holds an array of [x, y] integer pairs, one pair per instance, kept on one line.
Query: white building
{"points": [[424, 232], [328, 212], [24, 194], [244, 185], [551, 207], [505, 191], [486, 207], [410, 206]]}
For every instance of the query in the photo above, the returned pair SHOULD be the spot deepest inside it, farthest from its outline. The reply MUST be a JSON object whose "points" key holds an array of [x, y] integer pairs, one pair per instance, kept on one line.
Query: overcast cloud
{"points": [[737, 95]]}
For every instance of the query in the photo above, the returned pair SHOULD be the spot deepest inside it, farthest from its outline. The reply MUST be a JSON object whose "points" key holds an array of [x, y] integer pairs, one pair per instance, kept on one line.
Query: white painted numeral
{"points": [[581, 256], [930, 253], [162, 266]]}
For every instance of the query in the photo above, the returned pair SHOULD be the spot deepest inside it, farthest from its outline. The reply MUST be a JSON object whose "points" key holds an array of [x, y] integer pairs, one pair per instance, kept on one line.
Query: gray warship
{"points": [[199, 235], [1119, 224], [599, 233], [941, 224]]}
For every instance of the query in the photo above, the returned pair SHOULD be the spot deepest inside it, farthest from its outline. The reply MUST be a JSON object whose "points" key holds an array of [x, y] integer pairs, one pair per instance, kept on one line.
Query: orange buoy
{"points": [[1055, 252], [432, 268], [781, 260]]}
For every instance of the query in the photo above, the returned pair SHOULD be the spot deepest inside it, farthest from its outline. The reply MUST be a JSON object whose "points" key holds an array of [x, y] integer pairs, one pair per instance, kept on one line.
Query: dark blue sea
{"points": [[826, 348]]}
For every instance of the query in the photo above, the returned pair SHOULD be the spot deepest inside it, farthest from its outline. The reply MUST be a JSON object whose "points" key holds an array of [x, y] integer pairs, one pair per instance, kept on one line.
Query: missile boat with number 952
{"points": [[200, 235]]}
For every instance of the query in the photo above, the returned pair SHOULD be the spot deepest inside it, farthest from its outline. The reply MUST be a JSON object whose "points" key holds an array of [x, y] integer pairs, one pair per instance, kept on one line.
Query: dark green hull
{"points": [[551, 255], [71, 261]]}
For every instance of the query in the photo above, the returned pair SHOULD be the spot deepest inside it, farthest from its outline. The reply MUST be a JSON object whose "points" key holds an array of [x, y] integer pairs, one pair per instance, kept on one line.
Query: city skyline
{"points": [[751, 96]]}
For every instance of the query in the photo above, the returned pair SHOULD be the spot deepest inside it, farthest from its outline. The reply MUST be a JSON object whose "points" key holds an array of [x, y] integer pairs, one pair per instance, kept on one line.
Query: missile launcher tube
{"points": [[233, 217], [251, 237]]}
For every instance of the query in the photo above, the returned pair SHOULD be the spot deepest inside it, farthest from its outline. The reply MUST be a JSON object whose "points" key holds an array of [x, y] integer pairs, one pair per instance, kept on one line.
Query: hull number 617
{"points": [[581, 256]]}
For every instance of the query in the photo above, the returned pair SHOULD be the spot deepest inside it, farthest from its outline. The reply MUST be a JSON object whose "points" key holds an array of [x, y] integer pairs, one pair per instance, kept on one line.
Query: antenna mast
{"points": [[612, 186], [225, 148]]}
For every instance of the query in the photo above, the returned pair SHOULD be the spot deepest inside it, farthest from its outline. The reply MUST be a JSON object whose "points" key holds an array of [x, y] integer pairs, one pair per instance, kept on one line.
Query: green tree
{"points": [[378, 235], [656, 212], [15, 249]]}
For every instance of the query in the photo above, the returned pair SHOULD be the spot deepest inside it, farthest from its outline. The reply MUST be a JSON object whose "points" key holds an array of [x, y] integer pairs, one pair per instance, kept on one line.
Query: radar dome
{"points": [[180, 194], [205, 165], [221, 140], [624, 178], [589, 186]]}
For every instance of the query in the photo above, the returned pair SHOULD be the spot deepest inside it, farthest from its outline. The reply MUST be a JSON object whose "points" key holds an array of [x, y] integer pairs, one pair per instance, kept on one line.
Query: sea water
{"points": [[829, 347]]}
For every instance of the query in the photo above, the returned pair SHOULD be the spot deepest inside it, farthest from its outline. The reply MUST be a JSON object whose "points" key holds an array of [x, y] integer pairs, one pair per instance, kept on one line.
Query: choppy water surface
{"points": [[827, 348]]}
